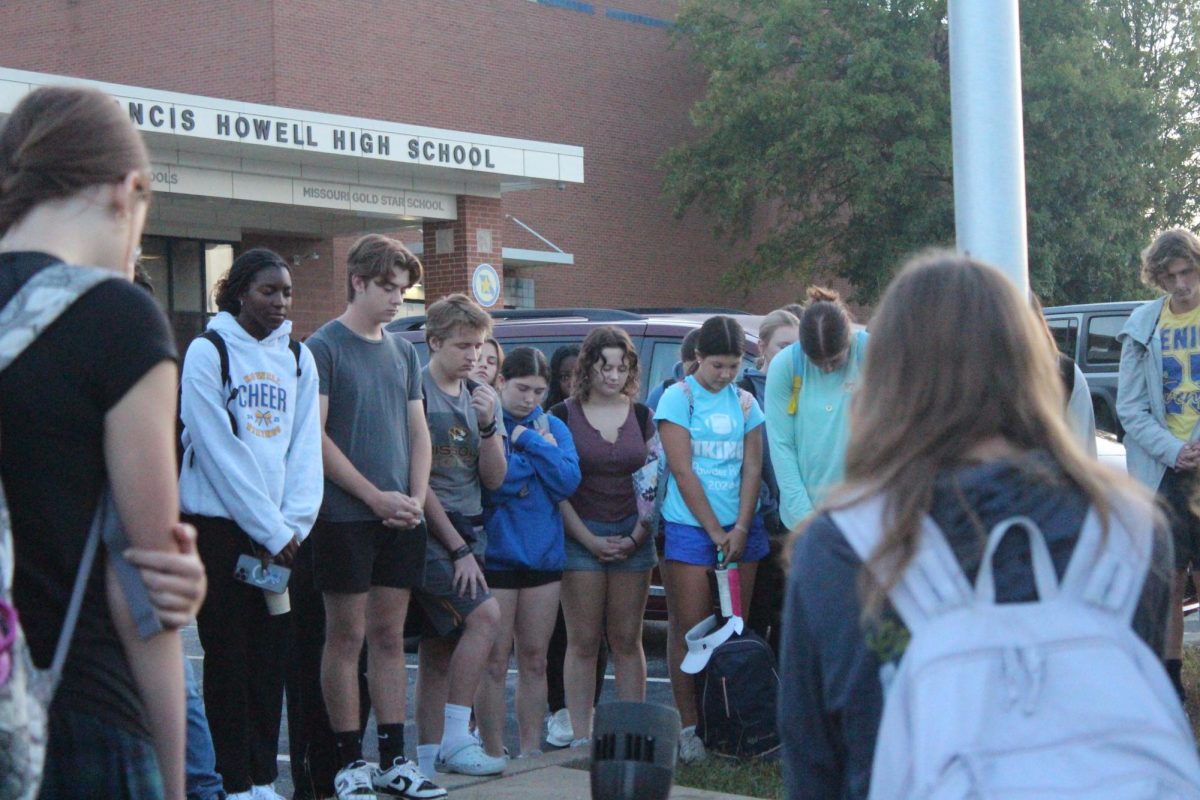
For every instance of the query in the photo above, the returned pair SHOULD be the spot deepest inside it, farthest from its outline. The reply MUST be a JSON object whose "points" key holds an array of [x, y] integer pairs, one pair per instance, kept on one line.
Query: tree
{"points": [[824, 135]]}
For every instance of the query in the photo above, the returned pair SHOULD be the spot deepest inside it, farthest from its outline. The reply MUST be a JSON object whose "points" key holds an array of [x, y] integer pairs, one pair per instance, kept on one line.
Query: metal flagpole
{"points": [[989, 148]]}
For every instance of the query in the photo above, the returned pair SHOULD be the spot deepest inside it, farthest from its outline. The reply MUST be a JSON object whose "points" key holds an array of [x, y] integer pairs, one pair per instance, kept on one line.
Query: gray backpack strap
{"points": [[36, 306], [932, 584], [1110, 572]]}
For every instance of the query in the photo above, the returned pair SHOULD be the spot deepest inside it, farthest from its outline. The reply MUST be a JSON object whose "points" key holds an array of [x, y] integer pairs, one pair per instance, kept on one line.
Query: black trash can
{"points": [[633, 751]]}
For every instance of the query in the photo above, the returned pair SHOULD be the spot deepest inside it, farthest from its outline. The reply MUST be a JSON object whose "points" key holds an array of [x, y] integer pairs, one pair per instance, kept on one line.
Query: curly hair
{"points": [[1177, 243], [591, 354], [233, 284]]}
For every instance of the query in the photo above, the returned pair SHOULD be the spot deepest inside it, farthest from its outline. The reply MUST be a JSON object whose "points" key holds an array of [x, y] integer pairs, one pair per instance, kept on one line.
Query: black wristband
{"points": [[461, 553], [488, 431]]}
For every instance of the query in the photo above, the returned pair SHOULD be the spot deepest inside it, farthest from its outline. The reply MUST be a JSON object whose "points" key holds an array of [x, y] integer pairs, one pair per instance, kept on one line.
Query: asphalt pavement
{"points": [[658, 690]]}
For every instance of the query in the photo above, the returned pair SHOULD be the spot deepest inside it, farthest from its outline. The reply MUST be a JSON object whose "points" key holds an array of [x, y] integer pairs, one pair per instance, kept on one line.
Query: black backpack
{"points": [[226, 383], [735, 699]]}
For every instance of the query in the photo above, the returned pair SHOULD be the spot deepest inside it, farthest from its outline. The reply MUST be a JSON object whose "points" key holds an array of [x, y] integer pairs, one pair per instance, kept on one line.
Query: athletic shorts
{"points": [[351, 557], [1175, 490], [442, 609], [520, 578], [580, 559], [690, 544]]}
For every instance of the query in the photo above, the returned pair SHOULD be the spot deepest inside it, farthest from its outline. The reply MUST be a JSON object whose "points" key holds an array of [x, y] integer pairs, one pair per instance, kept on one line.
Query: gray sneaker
{"points": [[471, 759]]}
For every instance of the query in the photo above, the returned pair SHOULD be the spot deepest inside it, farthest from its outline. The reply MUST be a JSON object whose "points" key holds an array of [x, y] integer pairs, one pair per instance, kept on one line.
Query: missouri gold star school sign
{"points": [[246, 151], [485, 285]]}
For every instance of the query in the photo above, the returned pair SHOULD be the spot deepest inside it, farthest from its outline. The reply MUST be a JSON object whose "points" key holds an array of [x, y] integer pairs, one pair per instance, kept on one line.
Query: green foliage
{"points": [[824, 135]]}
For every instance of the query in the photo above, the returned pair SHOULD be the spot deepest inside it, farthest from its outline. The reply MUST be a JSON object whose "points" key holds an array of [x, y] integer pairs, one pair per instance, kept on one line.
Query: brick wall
{"points": [[619, 89]]}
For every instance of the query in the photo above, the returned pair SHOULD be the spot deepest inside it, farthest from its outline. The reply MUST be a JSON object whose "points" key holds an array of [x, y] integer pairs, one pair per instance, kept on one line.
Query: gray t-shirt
{"points": [[369, 384], [454, 429]]}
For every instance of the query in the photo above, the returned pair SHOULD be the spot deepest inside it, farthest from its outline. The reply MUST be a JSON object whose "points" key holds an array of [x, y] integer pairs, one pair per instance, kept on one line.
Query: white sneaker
{"points": [[265, 792], [558, 729], [691, 748], [354, 781], [471, 759], [404, 779]]}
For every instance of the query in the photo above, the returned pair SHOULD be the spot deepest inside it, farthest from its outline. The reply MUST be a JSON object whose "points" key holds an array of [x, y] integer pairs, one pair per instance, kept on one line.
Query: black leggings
{"points": [[245, 656]]}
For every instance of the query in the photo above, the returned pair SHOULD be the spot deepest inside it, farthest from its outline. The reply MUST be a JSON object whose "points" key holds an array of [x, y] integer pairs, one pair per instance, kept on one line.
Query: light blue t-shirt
{"points": [[718, 428]]}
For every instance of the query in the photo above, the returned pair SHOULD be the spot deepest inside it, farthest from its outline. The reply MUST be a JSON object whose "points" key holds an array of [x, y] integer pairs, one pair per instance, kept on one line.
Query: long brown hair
{"points": [[591, 353], [60, 140], [955, 358]]}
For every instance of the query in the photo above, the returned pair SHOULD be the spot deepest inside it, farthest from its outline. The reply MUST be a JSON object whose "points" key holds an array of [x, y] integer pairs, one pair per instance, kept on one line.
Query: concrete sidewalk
{"points": [[546, 778]]}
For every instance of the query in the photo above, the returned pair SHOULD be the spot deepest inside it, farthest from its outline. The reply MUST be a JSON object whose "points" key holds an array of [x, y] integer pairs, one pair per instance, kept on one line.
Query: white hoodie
{"points": [[268, 479]]}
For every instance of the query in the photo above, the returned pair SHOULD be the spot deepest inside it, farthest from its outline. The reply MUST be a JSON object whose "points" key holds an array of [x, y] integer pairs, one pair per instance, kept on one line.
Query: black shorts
{"points": [[1175, 490], [520, 578], [351, 557]]}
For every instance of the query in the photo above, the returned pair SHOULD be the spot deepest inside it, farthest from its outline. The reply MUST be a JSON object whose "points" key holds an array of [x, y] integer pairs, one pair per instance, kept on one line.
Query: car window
{"points": [[1066, 334], [662, 362], [1103, 349]]}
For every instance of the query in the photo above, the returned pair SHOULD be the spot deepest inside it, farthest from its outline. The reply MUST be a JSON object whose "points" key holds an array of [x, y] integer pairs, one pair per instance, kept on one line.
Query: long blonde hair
{"points": [[955, 358]]}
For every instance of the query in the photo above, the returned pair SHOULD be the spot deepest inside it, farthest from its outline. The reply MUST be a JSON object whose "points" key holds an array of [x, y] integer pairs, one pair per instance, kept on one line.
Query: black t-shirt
{"points": [[53, 399]]}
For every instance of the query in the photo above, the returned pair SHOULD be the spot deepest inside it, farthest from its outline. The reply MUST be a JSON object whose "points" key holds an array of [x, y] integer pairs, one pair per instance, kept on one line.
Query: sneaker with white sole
{"points": [[471, 759], [691, 748], [404, 779], [247, 795], [558, 729], [353, 782]]}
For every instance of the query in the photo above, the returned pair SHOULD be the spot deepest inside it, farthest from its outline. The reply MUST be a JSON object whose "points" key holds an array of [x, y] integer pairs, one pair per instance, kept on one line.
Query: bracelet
{"points": [[461, 553], [488, 431], [632, 538]]}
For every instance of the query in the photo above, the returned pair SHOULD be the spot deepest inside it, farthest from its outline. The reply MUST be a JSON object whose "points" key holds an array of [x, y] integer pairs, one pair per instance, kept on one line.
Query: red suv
{"points": [[656, 333]]}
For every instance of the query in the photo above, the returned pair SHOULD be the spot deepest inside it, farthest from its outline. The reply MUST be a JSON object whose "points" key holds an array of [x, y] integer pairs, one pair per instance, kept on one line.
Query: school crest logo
{"points": [[458, 434]]}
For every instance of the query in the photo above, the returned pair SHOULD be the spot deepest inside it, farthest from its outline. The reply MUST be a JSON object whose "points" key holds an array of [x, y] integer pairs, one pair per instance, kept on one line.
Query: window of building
{"points": [[184, 273]]}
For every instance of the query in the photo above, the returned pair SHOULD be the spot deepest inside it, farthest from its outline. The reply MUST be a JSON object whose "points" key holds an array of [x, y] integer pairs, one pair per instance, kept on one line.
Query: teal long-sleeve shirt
{"points": [[808, 448]]}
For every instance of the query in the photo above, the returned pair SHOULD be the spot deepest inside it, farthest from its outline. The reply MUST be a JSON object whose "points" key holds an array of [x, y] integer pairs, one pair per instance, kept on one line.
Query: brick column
{"points": [[454, 248]]}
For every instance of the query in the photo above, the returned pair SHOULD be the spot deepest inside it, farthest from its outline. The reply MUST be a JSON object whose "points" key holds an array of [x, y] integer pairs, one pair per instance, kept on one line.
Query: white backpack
{"points": [[1038, 701]]}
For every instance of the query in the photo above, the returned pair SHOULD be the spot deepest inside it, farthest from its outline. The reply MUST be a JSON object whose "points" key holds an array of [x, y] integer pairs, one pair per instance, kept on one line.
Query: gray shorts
{"points": [[580, 559], [443, 610]]}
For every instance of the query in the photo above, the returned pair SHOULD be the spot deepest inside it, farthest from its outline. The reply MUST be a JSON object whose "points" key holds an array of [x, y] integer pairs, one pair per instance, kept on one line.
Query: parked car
{"points": [[1088, 334], [656, 333]]}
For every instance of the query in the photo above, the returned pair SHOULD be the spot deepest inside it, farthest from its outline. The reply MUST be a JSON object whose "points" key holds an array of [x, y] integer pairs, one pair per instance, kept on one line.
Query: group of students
{"points": [[377, 481]]}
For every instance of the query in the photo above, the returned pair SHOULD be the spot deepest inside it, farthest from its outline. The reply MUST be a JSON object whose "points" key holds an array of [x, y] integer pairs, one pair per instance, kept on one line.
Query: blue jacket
{"points": [[1150, 447], [524, 526]]}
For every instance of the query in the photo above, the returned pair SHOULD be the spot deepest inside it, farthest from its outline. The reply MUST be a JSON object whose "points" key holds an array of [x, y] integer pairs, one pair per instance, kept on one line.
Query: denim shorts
{"points": [[690, 544], [580, 559]]}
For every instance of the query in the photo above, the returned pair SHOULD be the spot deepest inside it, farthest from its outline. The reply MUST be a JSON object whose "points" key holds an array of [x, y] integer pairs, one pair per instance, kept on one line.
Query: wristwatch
{"points": [[461, 553]]}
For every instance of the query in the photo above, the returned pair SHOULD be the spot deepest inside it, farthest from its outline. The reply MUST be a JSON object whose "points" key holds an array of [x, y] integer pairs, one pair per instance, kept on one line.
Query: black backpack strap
{"points": [[226, 381], [1066, 367], [294, 346], [642, 412]]}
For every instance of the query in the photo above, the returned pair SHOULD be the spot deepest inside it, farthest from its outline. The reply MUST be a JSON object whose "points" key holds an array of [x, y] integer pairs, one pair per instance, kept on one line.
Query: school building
{"points": [[513, 143]]}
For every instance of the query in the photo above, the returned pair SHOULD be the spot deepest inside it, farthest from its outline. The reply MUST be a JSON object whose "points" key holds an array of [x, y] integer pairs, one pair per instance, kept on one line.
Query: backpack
{"points": [[226, 383], [736, 699], [25, 690], [1048, 699]]}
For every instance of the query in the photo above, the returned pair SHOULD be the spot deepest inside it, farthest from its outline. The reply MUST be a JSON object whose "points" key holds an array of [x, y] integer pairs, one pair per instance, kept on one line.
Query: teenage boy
{"points": [[1158, 401], [460, 615], [369, 540]]}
